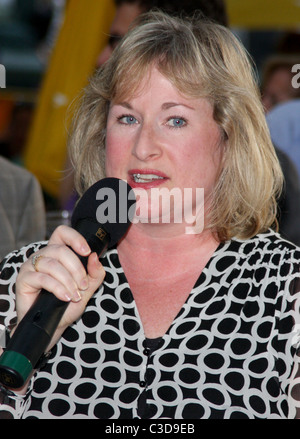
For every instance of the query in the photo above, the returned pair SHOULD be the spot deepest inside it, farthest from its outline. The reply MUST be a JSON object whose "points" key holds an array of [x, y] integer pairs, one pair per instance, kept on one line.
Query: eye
{"points": [[127, 120], [176, 122]]}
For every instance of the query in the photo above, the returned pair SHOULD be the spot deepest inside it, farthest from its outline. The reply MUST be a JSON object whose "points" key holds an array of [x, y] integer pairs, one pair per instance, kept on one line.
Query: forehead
{"points": [[134, 83], [156, 89], [144, 81]]}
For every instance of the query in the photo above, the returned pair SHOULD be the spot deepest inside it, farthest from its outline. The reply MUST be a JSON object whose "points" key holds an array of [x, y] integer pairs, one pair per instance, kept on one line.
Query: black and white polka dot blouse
{"points": [[231, 352]]}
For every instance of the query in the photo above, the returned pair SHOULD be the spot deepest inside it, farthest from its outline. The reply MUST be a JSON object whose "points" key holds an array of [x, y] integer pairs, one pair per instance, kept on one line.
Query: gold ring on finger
{"points": [[34, 261]]}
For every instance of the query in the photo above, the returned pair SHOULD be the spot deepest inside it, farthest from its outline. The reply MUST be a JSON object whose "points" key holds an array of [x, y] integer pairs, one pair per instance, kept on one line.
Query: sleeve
{"points": [[290, 330], [11, 405], [289, 201], [32, 219]]}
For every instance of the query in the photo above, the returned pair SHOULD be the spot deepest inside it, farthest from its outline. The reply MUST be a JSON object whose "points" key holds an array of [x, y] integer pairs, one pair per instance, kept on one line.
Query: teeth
{"points": [[146, 178]]}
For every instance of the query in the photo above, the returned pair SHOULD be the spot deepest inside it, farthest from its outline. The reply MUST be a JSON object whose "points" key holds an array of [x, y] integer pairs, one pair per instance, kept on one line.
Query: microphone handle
{"points": [[35, 331]]}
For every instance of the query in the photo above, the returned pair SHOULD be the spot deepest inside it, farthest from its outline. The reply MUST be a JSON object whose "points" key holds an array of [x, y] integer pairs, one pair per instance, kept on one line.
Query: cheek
{"points": [[201, 163], [111, 161], [115, 157]]}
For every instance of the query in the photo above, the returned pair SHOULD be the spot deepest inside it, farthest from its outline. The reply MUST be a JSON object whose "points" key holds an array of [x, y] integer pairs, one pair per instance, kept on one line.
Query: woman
{"points": [[184, 325]]}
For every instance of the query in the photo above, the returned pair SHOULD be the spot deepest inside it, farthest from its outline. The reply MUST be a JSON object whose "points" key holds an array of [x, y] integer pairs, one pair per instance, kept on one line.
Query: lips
{"points": [[146, 178]]}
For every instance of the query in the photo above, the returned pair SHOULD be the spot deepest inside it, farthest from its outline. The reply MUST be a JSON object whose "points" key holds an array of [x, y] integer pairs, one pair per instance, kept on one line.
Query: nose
{"points": [[147, 145]]}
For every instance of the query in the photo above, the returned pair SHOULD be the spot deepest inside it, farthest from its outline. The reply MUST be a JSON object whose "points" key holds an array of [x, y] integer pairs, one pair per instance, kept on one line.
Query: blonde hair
{"points": [[202, 59]]}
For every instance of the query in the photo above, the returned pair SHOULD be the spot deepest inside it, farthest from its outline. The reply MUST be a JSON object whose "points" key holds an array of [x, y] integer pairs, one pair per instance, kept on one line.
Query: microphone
{"points": [[102, 225]]}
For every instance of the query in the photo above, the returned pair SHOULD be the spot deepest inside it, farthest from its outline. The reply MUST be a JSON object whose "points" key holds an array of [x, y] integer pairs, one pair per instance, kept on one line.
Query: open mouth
{"points": [[146, 178]]}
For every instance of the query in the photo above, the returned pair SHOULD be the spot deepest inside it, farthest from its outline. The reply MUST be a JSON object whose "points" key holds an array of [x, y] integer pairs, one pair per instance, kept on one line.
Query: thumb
{"points": [[96, 275]]}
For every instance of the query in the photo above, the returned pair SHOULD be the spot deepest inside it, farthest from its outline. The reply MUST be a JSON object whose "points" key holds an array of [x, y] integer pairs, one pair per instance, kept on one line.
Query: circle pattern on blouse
{"points": [[228, 353]]}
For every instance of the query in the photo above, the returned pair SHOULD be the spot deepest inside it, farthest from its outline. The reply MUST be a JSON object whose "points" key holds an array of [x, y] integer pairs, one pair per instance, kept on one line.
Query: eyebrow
{"points": [[168, 105], [165, 106]]}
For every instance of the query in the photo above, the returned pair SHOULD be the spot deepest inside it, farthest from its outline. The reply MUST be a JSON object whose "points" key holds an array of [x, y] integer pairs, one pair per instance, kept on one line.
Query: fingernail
{"points": [[97, 261], [77, 297], [84, 284], [85, 250]]}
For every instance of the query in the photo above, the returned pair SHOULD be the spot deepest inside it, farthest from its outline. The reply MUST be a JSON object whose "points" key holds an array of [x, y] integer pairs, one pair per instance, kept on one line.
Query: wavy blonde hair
{"points": [[202, 59]]}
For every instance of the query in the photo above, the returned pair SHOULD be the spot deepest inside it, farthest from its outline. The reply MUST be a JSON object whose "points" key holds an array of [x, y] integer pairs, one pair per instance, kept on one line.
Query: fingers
{"points": [[58, 269], [33, 282], [61, 263], [70, 237], [95, 268], [96, 275], [62, 276], [65, 276]]}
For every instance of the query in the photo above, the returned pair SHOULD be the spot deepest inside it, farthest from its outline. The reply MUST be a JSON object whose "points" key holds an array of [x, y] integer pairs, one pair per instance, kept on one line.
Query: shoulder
{"points": [[9, 169], [268, 242], [285, 111], [284, 124], [16, 179], [264, 255]]}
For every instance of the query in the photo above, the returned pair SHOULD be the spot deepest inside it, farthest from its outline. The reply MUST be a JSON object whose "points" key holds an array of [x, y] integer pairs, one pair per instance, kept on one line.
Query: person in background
{"points": [[22, 210], [128, 10], [289, 200], [13, 142], [284, 125], [277, 85], [199, 325], [280, 99]]}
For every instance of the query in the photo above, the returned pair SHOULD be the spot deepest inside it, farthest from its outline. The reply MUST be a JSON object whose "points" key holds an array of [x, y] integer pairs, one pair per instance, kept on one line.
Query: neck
{"points": [[165, 242], [161, 269]]}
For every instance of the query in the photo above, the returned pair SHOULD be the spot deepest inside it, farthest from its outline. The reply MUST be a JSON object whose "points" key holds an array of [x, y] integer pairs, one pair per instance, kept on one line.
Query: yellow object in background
{"points": [[264, 14], [83, 35]]}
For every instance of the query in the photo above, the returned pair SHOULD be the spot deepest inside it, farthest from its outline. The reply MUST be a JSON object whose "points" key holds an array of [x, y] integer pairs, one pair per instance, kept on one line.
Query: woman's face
{"points": [[162, 140]]}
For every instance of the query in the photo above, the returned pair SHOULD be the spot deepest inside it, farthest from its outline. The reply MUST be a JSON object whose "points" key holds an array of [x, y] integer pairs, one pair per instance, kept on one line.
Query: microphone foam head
{"points": [[111, 203]]}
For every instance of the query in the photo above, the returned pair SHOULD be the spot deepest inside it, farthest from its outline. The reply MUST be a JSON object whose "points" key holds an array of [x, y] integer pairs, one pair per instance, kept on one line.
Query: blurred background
{"points": [[49, 49]]}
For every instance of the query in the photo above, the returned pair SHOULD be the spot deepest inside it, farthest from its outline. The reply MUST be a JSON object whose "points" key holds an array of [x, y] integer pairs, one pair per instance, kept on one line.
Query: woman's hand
{"points": [[59, 271]]}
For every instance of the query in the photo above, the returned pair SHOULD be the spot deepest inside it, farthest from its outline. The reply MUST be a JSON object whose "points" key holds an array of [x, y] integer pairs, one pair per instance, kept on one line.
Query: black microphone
{"points": [[102, 225]]}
